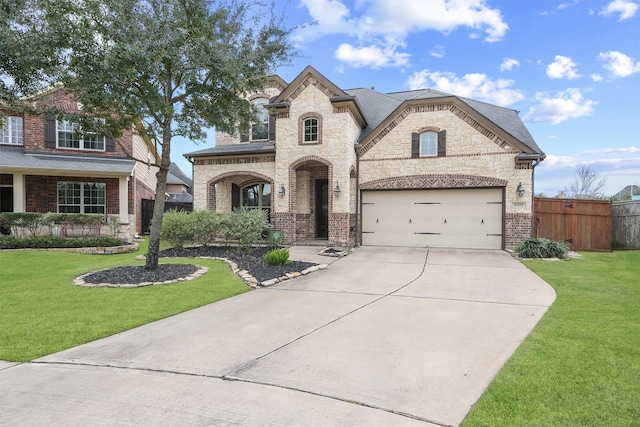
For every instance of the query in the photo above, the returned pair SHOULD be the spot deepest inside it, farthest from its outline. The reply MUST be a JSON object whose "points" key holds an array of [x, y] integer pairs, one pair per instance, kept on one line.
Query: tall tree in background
{"points": [[587, 184], [162, 67]]}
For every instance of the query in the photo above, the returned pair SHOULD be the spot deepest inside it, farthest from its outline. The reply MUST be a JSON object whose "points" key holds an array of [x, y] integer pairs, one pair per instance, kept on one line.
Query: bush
{"points": [[277, 257], [31, 221], [542, 248], [177, 228], [244, 226], [205, 225], [49, 242]]}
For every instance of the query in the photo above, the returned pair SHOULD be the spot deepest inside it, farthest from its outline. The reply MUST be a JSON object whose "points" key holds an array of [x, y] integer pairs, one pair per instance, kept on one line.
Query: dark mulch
{"points": [[251, 261]]}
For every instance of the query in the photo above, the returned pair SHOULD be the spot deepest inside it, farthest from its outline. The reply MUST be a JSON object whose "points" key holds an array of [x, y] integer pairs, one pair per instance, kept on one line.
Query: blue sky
{"points": [[572, 68]]}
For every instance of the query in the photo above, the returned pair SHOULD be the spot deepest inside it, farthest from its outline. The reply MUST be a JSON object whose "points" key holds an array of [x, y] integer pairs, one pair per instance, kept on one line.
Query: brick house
{"points": [[344, 167], [47, 166]]}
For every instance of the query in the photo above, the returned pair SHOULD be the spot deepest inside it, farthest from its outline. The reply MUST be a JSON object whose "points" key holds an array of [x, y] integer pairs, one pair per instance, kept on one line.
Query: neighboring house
{"points": [[47, 166], [178, 185], [344, 167], [628, 192]]}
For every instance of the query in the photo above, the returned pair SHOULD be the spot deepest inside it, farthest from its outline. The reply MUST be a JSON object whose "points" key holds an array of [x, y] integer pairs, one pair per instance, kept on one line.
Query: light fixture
{"points": [[337, 191], [520, 190], [282, 191]]}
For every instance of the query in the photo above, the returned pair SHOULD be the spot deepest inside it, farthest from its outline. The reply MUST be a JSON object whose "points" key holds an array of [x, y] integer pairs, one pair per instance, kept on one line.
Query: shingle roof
{"points": [[231, 149], [176, 176], [18, 158]]}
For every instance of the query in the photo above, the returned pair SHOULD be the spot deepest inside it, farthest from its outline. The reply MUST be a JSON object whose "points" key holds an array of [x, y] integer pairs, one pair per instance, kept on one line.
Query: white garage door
{"points": [[465, 218]]}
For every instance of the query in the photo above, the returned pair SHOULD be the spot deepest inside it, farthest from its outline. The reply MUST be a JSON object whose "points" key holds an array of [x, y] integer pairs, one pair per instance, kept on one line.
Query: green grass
{"points": [[41, 312], [581, 364]]}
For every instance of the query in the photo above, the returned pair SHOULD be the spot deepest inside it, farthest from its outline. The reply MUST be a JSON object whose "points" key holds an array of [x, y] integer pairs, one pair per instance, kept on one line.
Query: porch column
{"points": [[123, 197], [19, 200]]}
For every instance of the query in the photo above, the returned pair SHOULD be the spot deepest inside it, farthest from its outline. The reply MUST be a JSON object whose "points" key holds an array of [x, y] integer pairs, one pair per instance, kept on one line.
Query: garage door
{"points": [[465, 218]]}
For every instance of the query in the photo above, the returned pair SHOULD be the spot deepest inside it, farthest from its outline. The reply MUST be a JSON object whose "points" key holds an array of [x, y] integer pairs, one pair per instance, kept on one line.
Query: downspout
{"points": [[357, 224]]}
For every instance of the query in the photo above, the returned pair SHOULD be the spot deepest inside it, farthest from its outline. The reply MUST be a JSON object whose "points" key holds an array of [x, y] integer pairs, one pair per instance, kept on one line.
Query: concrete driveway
{"points": [[384, 336]]}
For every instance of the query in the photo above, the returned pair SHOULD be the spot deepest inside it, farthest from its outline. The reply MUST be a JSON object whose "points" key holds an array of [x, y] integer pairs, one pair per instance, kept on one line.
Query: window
{"points": [[260, 129], [310, 130], [82, 197], [428, 144], [69, 136], [11, 130], [257, 196]]}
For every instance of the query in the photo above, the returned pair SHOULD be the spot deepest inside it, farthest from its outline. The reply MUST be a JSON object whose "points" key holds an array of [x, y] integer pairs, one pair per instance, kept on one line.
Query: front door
{"points": [[322, 208]]}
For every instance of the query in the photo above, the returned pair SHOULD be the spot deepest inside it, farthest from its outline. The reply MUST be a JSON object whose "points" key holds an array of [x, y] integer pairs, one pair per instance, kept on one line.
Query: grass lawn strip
{"points": [[41, 312], [581, 365]]}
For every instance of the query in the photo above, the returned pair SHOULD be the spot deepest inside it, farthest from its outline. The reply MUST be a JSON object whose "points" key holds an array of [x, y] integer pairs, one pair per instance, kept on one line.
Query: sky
{"points": [[571, 68]]}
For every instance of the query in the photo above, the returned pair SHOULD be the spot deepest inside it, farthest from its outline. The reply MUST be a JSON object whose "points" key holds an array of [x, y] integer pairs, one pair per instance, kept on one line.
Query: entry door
{"points": [[322, 208]]}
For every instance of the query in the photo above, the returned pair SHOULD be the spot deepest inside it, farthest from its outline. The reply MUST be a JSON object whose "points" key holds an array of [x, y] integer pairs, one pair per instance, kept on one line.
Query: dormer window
{"points": [[11, 130], [260, 128]]}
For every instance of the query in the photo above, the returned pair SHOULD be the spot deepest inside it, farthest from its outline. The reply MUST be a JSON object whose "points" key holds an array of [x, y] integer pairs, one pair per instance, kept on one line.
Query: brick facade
{"points": [[42, 192]]}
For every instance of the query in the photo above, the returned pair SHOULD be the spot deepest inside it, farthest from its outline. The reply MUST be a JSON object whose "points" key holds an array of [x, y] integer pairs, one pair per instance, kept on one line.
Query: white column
{"points": [[19, 199], [123, 195]]}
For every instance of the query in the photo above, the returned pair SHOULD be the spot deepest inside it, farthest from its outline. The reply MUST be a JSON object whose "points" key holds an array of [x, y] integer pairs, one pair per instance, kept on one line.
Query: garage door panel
{"points": [[467, 218]]}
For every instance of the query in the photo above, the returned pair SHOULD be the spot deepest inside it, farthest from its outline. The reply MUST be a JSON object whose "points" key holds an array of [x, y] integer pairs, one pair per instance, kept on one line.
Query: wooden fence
{"points": [[147, 211], [581, 224], [625, 222]]}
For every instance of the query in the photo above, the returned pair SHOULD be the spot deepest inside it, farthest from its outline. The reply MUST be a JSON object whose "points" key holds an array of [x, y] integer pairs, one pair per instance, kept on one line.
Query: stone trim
{"points": [[236, 160], [379, 159], [256, 175], [301, 119], [259, 95], [429, 129], [79, 281], [433, 181]]}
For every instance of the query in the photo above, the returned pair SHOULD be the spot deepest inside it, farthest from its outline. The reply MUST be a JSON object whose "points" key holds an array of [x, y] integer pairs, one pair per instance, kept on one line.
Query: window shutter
{"points": [[235, 196], [109, 145], [272, 128], [49, 131], [415, 145], [442, 143]]}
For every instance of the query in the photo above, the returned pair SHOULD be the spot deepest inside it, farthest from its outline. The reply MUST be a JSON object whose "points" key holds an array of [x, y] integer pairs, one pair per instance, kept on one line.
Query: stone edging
{"points": [[89, 250], [79, 281], [253, 282]]}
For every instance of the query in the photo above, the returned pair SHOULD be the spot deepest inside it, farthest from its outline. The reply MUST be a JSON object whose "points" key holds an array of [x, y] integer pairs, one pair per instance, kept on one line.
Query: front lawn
{"points": [[41, 312], [581, 364]]}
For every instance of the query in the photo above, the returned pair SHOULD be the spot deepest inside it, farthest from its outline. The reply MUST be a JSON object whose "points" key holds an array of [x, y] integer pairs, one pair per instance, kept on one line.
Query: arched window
{"points": [[257, 196], [260, 128], [428, 144], [310, 130]]}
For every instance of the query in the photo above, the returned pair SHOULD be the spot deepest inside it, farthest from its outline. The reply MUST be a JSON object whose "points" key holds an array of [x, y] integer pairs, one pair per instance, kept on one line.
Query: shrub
{"points": [[244, 226], [48, 242], [277, 257], [177, 228], [31, 221], [542, 248], [205, 225]]}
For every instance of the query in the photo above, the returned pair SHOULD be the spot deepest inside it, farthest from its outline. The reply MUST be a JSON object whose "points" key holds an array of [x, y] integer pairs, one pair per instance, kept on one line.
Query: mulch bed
{"points": [[250, 261]]}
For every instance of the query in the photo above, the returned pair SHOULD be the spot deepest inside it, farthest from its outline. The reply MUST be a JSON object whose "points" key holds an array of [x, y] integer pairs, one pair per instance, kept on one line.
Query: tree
{"points": [[162, 67], [586, 184]]}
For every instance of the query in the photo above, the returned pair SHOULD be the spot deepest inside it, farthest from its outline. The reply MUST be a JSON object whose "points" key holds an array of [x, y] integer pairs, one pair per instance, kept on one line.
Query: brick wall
{"points": [[517, 228], [42, 192]]}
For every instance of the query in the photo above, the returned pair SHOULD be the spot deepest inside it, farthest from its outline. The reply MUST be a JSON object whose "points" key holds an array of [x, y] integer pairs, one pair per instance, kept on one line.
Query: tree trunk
{"points": [[158, 207]]}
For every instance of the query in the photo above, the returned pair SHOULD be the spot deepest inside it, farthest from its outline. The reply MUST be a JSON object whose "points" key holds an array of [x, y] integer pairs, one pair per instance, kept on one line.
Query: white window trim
{"points": [[435, 145], [304, 131], [7, 126], [82, 205], [81, 143]]}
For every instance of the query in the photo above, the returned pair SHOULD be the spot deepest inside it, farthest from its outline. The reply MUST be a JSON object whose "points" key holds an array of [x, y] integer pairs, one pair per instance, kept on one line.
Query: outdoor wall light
{"points": [[282, 191], [337, 191], [520, 190]]}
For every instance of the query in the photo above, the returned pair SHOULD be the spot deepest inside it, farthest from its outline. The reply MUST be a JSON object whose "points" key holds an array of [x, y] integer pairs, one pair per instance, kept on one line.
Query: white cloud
{"points": [[562, 67], [626, 8], [437, 51], [607, 151], [385, 25], [619, 64], [560, 162], [475, 85], [597, 77], [566, 105], [508, 64], [371, 56]]}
